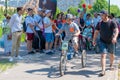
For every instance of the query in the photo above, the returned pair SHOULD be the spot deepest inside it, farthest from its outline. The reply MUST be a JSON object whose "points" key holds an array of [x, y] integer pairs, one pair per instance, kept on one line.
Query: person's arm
{"points": [[97, 31], [95, 35], [61, 30], [47, 23], [77, 31], [32, 27], [28, 23], [37, 21], [79, 22], [11, 22], [116, 32]]}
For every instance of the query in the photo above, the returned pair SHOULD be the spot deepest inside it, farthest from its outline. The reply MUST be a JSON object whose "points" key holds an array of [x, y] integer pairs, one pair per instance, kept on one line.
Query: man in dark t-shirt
{"points": [[108, 37]]}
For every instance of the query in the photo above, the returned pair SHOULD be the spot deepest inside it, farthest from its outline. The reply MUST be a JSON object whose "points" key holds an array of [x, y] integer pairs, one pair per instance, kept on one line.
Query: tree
{"points": [[100, 5], [81, 2], [57, 12], [115, 9], [73, 10]]}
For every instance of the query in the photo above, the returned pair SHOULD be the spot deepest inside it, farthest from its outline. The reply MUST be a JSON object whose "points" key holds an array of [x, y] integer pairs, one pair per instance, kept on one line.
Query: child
{"points": [[7, 36]]}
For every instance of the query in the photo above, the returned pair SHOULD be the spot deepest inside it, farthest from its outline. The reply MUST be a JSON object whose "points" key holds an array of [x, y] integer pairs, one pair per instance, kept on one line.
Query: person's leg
{"points": [[75, 44], [46, 46], [47, 41], [42, 41], [103, 63], [112, 57], [103, 51], [18, 43], [14, 42], [55, 43], [29, 41], [111, 50], [29, 45], [51, 41], [5, 43]]}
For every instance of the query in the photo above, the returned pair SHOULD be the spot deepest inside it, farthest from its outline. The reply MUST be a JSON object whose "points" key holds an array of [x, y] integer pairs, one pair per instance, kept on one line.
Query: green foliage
{"points": [[100, 5], [57, 12], [115, 9], [80, 4], [23, 37], [73, 10], [9, 10]]}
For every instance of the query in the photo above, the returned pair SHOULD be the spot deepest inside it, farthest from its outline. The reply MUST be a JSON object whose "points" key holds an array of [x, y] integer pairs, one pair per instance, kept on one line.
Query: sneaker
{"points": [[49, 52], [41, 51], [11, 59], [19, 57], [32, 52], [75, 54]]}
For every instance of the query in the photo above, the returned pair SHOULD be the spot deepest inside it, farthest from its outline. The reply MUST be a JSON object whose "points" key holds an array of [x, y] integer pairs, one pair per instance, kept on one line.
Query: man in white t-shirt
{"points": [[39, 29], [48, 32], [96, 19]]}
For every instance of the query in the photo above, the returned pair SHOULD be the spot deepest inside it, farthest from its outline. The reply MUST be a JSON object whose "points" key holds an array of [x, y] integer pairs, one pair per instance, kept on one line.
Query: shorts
{"points": [[74, 40], [30, 36], [106, 48], [49, 37]]}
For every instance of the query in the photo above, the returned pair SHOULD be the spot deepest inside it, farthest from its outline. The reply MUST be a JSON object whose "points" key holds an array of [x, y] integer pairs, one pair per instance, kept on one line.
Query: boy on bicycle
{"points": [[72, 32]]}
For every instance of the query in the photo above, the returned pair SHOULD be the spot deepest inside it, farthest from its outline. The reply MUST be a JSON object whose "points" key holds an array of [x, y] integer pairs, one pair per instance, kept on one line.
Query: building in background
{"points": [[63, 5]]}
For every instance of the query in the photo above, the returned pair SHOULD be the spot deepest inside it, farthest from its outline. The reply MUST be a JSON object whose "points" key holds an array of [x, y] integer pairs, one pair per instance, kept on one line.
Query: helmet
{"points": [[69, 16]]}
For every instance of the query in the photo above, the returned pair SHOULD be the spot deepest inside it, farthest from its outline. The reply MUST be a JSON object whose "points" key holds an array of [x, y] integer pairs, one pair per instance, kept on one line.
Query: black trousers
{"points": [[36, 41]]}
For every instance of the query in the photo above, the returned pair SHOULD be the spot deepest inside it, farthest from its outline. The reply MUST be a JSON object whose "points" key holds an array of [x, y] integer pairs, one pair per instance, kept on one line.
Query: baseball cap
{"points": [[29, 9], [47, 11], [104, 12], [69, 16], [40, 9]]}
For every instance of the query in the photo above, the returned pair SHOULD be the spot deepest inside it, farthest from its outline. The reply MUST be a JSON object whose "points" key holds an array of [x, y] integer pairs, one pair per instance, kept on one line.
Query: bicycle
{"points": [[63, 57], [82, 48]]}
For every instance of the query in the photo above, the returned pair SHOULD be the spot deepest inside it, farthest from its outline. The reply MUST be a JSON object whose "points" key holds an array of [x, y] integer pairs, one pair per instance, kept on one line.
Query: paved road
{"points": [[46, 67]]}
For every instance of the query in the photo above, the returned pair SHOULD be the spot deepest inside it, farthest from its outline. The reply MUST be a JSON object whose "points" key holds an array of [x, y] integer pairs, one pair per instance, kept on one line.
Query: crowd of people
{"points": [[42, 31]]}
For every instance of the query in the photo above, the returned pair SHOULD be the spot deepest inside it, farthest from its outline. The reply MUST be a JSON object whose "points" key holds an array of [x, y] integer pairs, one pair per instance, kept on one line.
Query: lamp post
{"points": [[109, 6], [6, 1]]}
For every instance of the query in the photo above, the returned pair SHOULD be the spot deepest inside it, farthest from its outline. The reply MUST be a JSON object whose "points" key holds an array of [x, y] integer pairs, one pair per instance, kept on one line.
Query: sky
{"points": [[115, 2]]}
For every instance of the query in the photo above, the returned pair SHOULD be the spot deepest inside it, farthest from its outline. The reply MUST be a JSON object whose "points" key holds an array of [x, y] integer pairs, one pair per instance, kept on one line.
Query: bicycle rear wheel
{"points": [[62, 66], [81, 45], [83, 58]]}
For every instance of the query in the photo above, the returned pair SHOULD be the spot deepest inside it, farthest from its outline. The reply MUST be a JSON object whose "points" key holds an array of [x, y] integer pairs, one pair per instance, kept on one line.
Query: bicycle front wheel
{"points": [[62, 64]]}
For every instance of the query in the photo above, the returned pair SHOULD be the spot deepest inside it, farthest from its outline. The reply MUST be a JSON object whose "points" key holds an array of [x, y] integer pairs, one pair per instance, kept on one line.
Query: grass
{"points": [[22, 37], [5, 64]]}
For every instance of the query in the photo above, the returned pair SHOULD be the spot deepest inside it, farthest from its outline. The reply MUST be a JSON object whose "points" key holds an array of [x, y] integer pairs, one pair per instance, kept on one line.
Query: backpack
{"points": [[24, 25]]}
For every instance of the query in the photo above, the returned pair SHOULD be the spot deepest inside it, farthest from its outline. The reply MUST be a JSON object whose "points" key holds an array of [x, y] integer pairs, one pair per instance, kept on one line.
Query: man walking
{"points": [[108, 37]]}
